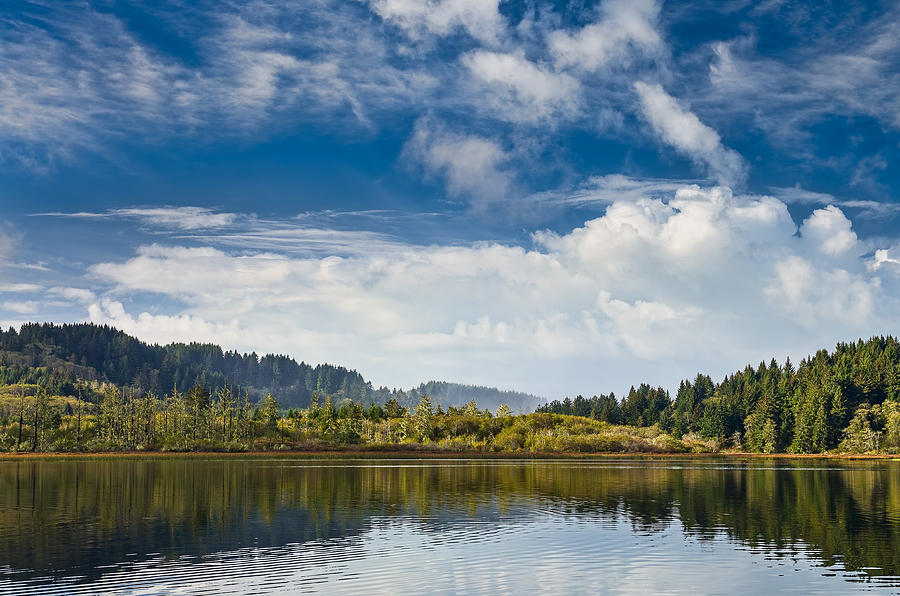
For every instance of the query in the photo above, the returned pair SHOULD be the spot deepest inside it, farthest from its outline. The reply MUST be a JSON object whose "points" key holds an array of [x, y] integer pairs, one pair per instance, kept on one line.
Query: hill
{"points": [[57, 356]]}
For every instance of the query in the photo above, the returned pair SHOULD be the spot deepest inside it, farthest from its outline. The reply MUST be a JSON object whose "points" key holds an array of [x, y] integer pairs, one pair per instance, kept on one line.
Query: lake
{"points": [[237, 525]]}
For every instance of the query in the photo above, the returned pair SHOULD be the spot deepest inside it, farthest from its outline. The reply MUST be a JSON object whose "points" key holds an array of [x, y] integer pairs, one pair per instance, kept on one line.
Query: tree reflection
{"points": [[71, 517]]}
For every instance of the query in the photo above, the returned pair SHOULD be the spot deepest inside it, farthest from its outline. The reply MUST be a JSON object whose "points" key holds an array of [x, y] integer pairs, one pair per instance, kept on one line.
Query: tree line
{"points": [[847, 399]]}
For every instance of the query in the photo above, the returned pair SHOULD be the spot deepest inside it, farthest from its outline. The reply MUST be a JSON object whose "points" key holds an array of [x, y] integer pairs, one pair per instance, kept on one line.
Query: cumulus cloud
{"points": [[162, 328], [810, 294], [887, 259], [704, 280], [472, 166], [830, 231], [623, 25], [684, 131]]}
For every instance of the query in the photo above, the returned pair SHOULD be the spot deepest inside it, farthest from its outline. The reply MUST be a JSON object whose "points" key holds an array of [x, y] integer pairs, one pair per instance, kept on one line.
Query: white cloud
{"points": [[652, 290], [56, 91], [75, 79], [162, 328], [624, 25], [786, 96], [861, 208], [20, 287], [811, 295], [522, 90], [183, 218], [830, 231], [681, 129], [471, 165], [78, 295], [287, 237], [887, 259], [179, 218], [612, 188], [25, 307], [649, 330], [479, 18]]}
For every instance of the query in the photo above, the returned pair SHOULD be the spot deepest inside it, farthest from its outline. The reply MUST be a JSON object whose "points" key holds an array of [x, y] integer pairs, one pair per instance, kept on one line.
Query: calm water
{"points": [[625, 526]]}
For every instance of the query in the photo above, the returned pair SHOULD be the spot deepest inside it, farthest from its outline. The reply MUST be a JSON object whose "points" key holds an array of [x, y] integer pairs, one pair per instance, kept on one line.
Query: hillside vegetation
{"points": [[33, 420]]}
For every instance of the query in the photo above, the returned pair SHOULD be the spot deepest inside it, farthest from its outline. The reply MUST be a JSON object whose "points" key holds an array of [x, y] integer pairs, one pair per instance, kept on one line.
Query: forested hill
{"points": [[847, 399], [58, 355]]}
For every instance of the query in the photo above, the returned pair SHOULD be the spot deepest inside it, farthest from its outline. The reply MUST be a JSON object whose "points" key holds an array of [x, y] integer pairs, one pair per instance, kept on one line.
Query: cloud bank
{"points": [[651, 289]]}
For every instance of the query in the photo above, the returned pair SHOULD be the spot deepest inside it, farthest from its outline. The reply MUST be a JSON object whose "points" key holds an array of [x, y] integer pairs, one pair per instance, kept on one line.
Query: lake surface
{"points": [[401, 526]]}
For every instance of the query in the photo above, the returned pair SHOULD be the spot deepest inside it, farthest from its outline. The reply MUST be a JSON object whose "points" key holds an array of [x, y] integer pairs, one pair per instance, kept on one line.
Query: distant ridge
{"points": [[454, 394]]}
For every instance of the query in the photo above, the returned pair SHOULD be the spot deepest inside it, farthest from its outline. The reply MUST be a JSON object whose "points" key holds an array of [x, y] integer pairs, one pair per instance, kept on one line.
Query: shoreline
{"points": [[429, 454]]}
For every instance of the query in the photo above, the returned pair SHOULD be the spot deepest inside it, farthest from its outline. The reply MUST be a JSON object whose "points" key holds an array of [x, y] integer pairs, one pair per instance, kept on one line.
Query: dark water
{"points": [[625, 526]]}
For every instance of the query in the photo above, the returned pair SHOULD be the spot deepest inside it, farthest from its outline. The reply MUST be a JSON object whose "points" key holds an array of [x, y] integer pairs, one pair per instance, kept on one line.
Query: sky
{"points": [[555, 197]]}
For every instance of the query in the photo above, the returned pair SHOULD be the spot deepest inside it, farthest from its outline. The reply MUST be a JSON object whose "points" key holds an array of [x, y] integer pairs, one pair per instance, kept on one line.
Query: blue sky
{"points": [[557, 197]]}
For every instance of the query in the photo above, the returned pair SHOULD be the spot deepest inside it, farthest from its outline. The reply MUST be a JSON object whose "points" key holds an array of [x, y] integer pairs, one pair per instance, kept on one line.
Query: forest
{"points": [[846, 400]]}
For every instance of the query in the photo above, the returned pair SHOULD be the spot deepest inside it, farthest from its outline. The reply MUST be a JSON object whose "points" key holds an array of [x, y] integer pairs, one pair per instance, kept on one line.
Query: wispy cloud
{"points": [[842, 71], [282, 238], [180, 218], [75, 79], [25, 307], [604, 190], [342, 233], [862, 208], [683, 130], [20, 287], [77, 295]]}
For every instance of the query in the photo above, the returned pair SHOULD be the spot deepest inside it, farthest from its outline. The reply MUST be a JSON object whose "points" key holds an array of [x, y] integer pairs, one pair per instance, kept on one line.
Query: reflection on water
{"points": [[404, 526]]}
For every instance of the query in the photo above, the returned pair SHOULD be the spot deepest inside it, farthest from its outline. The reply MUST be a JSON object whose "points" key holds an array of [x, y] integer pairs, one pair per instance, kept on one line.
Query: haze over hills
{"points": [[60, 355]]}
